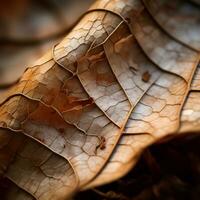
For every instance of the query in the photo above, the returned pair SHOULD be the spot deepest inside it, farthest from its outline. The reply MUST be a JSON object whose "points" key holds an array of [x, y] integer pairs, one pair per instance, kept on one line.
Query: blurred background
{"points": [[28, 28]]}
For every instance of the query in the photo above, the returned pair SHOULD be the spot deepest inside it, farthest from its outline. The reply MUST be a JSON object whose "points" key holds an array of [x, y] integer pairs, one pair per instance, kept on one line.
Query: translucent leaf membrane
{"points": [[162, 49], [191, 110], [35, 169], [191, 113], [82, 117], [179, 18], [196, 80], [117, 83], [157, 114]]}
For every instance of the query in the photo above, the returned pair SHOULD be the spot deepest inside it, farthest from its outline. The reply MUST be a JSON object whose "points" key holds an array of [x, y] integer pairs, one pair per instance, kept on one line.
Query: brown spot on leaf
{"points": [[146, 76], [61, 130], [102, 143]]}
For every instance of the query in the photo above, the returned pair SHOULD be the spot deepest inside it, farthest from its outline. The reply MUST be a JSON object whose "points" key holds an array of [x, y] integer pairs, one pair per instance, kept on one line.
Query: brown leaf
{"points": [[36, 169], [118, 82]]}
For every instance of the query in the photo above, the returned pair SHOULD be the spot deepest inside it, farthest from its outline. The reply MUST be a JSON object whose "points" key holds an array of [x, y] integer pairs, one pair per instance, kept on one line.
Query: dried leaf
{"points": [[118, 82]]}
